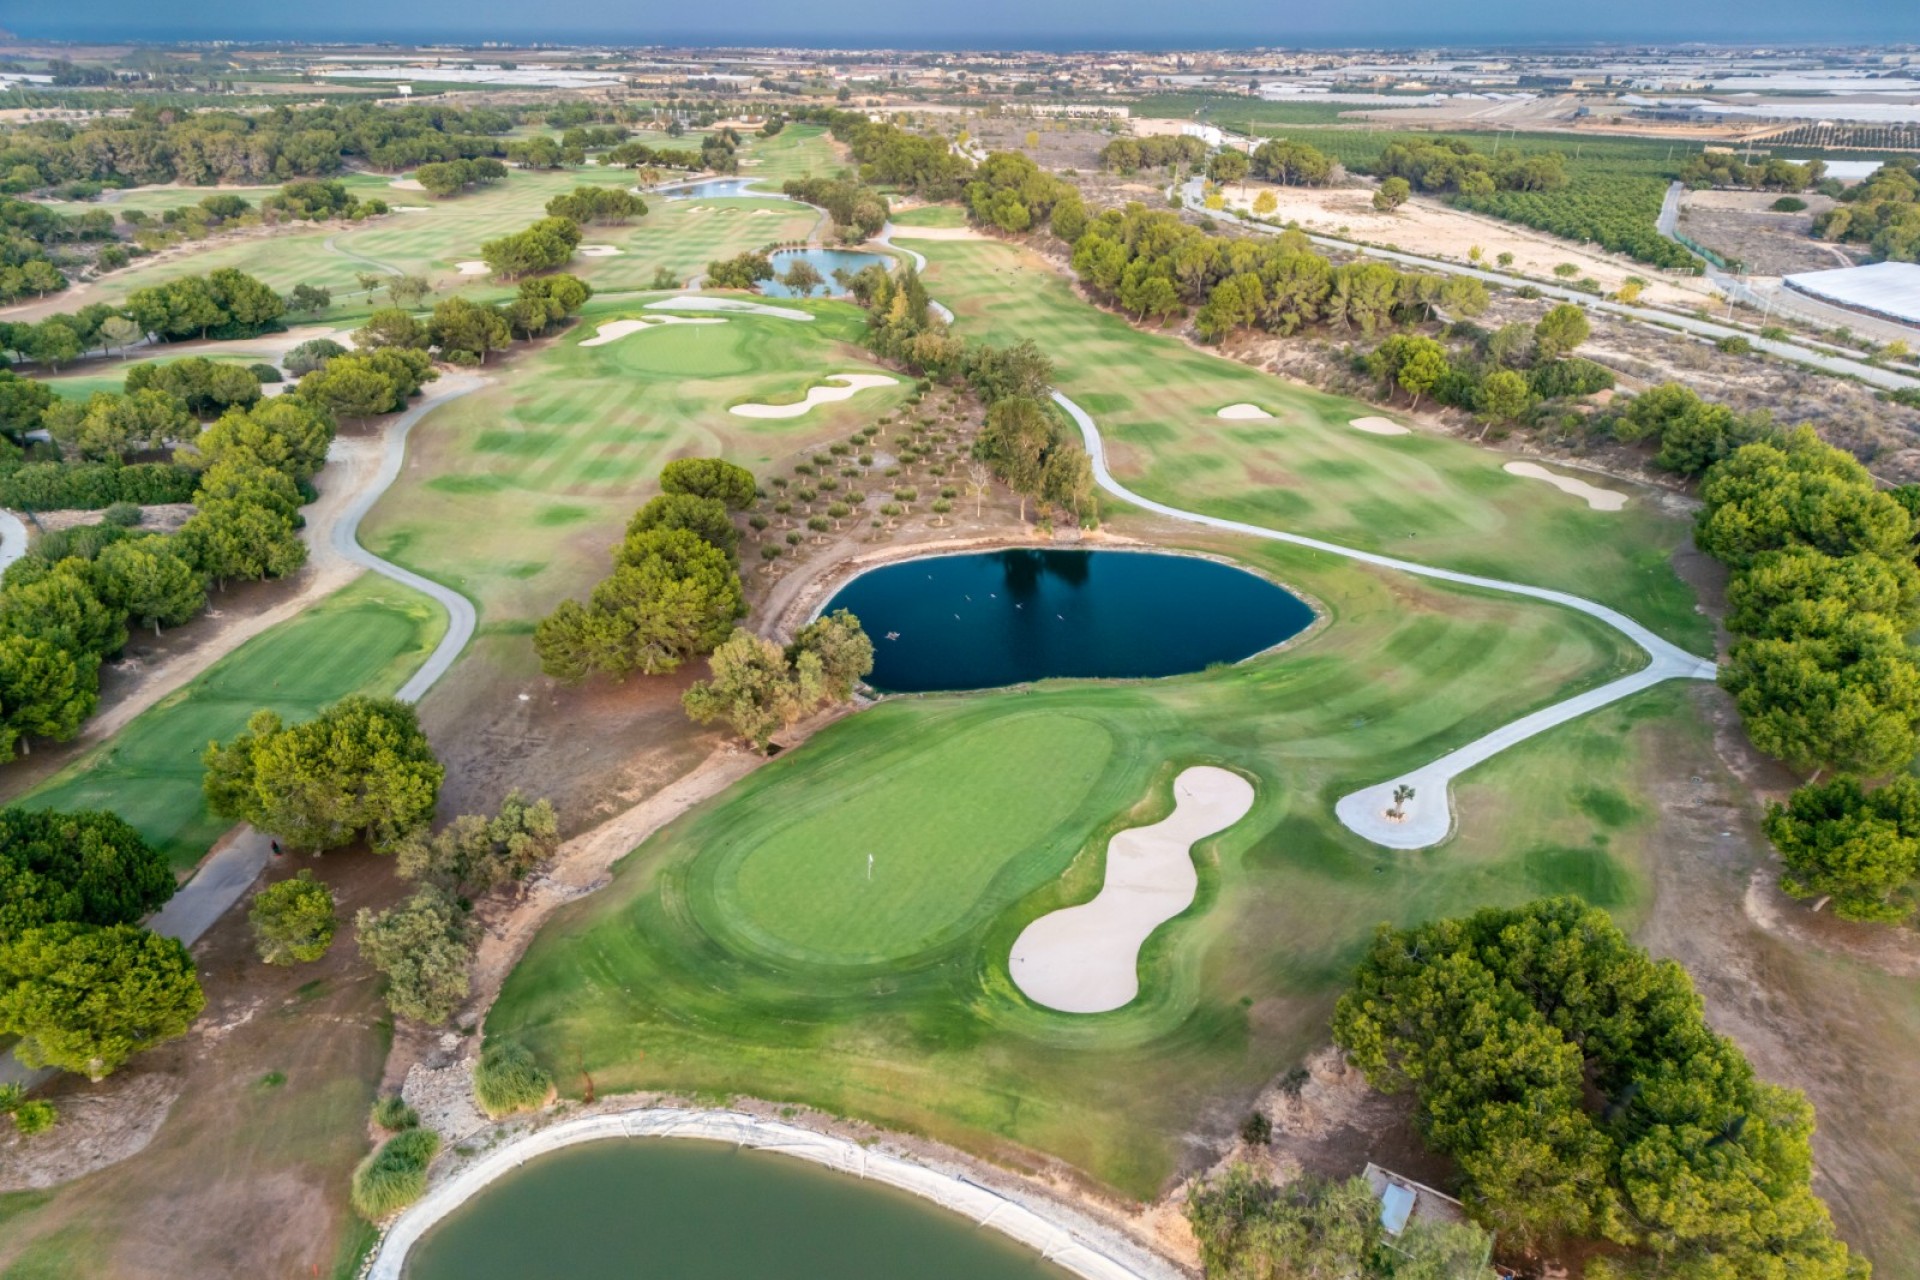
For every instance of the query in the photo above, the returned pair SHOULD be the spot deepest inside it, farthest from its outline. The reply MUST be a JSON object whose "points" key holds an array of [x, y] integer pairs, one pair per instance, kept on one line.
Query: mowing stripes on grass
{"points": [[969, 822], [366, 638]]}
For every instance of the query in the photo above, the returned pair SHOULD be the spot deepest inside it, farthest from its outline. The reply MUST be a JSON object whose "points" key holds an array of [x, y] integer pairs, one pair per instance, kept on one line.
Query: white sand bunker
{"points": [[1086, 959], [1596, 497], [614, 330], [471, 268], [1378, 426], [406, 184], [697, 302], [1243, 411], [849, 383], [599, 251]]}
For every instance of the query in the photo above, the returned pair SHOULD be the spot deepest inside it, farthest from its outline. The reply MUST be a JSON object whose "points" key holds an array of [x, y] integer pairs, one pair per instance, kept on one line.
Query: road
{"points": [[227, 872], [1872, 375], [1428, 815]]}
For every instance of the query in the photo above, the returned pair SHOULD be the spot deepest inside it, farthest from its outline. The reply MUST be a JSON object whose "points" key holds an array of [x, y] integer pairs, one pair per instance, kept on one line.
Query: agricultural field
{"points": [[367, 638]]}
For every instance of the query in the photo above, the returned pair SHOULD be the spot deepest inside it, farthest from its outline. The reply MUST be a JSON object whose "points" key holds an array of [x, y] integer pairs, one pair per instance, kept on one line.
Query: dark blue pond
{"points": [[826, 262], [1005, 617]]}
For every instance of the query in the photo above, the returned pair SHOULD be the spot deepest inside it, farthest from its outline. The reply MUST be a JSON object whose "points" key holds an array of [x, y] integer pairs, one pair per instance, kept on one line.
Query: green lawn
{"points": [[932, 215], [742, 951], [969, 823], [367, 638], [516, 492], [1425, 497]]}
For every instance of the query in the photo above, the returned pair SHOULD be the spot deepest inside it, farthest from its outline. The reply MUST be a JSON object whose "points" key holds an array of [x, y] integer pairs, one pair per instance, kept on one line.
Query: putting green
{"points": [[955, 831]]}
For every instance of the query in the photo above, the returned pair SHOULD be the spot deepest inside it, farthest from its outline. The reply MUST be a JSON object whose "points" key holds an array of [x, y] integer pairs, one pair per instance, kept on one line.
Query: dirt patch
{"points": [[163, 517], [1432, 229], [95, 1130], [1742, 225]]}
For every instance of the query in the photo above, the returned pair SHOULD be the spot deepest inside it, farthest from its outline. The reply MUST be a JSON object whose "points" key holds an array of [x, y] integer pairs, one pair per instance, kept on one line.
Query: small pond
{"points": [[826, 262], [667, 1210], [997, 618], [722, 189]]}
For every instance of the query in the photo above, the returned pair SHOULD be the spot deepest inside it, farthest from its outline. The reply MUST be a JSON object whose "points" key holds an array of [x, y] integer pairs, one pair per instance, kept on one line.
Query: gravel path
{"points": [[1427, 818]]}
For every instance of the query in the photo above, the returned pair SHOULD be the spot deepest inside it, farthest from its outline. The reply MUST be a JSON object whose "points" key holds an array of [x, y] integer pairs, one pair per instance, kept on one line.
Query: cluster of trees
{"points": [[890, 156], [1502, 375], [1292, 164], [675, 588], [224, 303], [547, 244], [759, 687], [61, 618], [1617, 212], [1823, 593], [152, 145], [1576, 1085], [638, 155], [1882, 212], [1314, 1228], [314, 200], [362, 770], [82, 985], [1154, 266], [26, 230], [742, 271], [604, 205], [1010, 193], [1690, 434], [1023, 442], [362, 385], [1164, 151], [445, 178], [858, 211], [1728, 170], [1452, 165]]}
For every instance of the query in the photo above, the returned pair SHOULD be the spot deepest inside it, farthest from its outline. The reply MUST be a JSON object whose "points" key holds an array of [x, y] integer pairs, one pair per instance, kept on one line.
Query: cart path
{"points": [[1427, 818]]}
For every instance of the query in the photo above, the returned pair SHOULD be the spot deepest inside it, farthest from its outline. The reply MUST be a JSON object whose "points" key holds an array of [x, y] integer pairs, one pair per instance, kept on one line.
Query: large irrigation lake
{"points": [[990, 619], [826, 262], [675, 1210], [722, 189]]}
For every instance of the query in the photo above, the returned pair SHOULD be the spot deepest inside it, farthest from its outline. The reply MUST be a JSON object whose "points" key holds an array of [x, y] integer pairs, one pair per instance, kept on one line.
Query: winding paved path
{"points": [[1428, 816], [226, 873]]}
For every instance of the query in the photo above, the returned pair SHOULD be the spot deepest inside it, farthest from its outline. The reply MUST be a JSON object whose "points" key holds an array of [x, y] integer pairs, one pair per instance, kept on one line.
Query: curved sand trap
{"points": [[406, 184], [599, 251], [695, 302], [849, 383], [471, 268], [1379, 426], [1243, 411], [614, 330], [1597, 498], [1086, 959]]}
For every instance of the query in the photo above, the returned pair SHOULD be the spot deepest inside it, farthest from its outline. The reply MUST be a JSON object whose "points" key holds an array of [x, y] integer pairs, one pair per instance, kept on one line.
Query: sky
{"points": [[1051, 24]]}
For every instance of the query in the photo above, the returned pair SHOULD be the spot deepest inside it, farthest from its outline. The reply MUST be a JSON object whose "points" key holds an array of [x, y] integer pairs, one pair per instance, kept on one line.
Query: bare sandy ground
{"points": [[1375, 426], [471, 268], [1428, 227], [849, 383], [614, 330], [1242, 411], [1596, 497], [1086, 958]]}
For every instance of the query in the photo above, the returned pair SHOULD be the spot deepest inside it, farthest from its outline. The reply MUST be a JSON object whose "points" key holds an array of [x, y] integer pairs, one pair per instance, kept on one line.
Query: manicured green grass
{"points": [[113, 376], [932, 215], [742, 951], [514, 493], [367, 638], [1428, 498], [970, 822], [796, 151]]}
